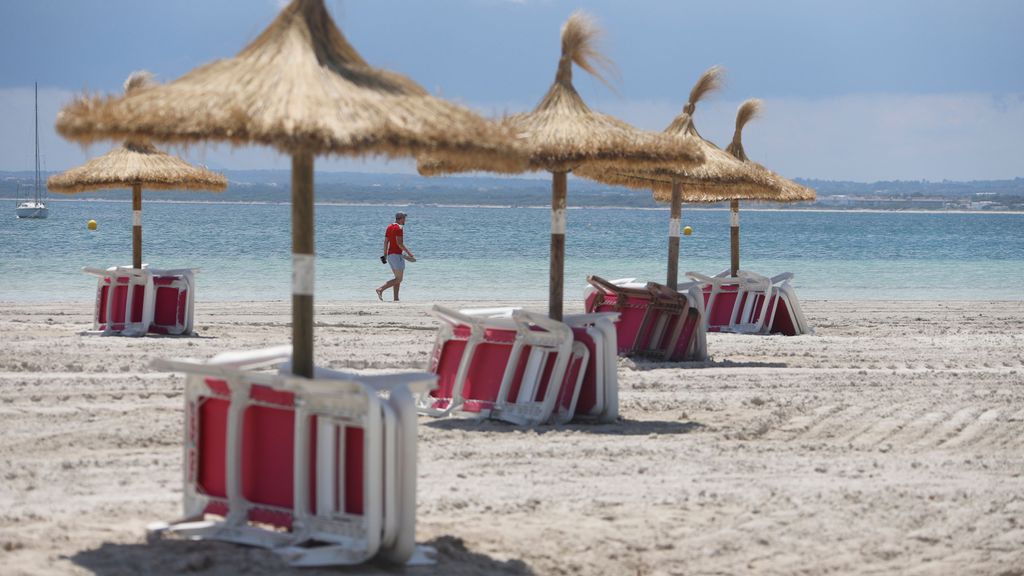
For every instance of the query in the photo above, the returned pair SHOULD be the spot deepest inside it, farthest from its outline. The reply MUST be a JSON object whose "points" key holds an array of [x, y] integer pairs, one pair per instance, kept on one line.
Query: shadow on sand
{"points": [[173, 556], [622, 427], [641, 365], [192, 336]]}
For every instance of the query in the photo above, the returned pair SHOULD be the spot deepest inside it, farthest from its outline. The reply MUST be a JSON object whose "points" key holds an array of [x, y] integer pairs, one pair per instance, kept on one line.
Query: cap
{"points": [[399, 215]]}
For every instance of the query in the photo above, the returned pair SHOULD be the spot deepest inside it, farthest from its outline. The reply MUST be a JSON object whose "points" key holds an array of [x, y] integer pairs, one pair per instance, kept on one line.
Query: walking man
{"points": [[394, 249]]}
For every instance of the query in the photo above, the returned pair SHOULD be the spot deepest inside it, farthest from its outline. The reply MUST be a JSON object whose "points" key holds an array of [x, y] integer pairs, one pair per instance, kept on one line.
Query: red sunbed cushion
{"points": [[212, 448], [101, 307], [783, 323], [166, 306], [686, 337], [587, 400], [120, 300], [353, 471], [447, 367], [720, 313], [267, 455], [631, 316], [138, 296], [483, 380]]}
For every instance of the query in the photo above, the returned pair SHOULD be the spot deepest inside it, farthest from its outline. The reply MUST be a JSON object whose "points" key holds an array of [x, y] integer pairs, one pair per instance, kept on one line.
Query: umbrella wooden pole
{"points": [[558, 204], [734, 235], [673, 235], [137, 226], [302, 264]]}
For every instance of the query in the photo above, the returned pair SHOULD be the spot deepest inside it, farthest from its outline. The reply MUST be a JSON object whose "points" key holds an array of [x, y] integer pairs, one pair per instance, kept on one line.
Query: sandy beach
{"points": [[890, 442]]}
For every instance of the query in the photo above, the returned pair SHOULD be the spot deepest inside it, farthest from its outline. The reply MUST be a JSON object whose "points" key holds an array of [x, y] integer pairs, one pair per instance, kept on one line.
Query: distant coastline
{"points": [[687, 207], [372, 189]]}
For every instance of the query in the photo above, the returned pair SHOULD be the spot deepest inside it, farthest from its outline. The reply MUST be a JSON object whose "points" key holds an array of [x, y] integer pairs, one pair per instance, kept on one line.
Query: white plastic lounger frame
{"points": [[579, 356], [757, 319], [104, 315], [784, 290], [750, 319], [544, 337], [450, 319], [698, 347], [669, 303], [175, 279], [692, 290], [380, 405], [601, 327]]}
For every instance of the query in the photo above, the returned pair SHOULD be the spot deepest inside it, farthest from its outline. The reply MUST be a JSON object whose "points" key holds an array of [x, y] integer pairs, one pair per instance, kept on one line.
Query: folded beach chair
{"points": [[637, 316], [598, 389], [124, 300], [750, 303], [173, 301], [598, 396], [785, 315], [506, 364], [693, 341], [674, 327], [679, 334], [670, 314], [320, 470], [735, 304]]}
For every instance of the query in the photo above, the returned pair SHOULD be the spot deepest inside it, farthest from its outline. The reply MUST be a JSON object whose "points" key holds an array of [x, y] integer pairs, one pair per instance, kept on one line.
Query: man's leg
{"points": [[397, 282], [389, 283]]}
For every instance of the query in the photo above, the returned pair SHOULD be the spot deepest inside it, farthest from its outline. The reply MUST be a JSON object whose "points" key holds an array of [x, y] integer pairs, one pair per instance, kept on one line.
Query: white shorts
{"points": [[397, 262]]}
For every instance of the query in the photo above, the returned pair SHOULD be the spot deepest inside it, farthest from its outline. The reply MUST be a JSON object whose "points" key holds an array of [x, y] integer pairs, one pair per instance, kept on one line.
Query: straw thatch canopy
{"points": [[298, 87], [136, 165], [788, 191], [562, 133], [720, 177], [302, 88]]}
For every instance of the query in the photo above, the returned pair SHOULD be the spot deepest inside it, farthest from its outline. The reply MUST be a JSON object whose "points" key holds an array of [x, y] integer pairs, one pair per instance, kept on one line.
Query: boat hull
{"points": [[32, 210]]}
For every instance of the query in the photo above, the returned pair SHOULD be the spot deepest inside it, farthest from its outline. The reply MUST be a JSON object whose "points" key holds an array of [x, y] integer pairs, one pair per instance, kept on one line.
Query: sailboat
{"points": [[36, 207]]}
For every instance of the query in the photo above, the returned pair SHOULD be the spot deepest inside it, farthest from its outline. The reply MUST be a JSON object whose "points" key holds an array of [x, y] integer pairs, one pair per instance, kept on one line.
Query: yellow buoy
{"points": [[687, 231], [91, 224]]}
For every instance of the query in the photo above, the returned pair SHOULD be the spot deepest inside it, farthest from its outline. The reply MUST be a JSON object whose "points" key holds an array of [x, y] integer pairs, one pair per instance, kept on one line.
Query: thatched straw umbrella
{"points": [[136, 165], [721, 177], [716, 179], [302, 88], [563, 134], [788, 191]]}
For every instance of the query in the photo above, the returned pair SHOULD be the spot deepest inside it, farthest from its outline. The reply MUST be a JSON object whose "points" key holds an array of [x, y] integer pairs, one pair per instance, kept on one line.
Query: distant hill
{"points": [[367, 188], [945, 188]]}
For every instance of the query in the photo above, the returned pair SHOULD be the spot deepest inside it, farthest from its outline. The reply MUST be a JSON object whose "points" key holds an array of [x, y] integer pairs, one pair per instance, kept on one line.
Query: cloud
{"points": [[865, 137]]}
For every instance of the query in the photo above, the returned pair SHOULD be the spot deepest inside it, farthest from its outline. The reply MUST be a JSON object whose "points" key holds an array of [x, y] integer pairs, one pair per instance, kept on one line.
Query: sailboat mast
{"points": [[37, 141]]}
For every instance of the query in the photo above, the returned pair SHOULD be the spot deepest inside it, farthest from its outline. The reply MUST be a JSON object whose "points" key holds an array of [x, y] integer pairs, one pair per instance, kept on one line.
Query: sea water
{"points": [[243, 250]]}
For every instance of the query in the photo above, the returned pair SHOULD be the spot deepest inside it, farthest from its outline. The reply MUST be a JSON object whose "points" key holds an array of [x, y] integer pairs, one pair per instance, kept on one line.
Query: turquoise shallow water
{"points": [[244, 250]]}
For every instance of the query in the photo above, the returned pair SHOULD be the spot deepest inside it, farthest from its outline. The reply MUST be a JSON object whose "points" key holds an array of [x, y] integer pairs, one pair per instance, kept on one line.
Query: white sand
{"points": [[890, 442]]}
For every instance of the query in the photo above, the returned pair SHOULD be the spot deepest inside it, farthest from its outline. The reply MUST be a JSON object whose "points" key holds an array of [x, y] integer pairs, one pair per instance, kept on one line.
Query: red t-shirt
{"points": [[394, 232]]}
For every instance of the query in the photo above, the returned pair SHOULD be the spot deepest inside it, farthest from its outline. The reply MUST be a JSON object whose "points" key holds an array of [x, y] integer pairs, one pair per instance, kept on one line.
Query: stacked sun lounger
{"points": [[521, 367], [321, 470], [750, 303], [140, 301], [654, 320]]}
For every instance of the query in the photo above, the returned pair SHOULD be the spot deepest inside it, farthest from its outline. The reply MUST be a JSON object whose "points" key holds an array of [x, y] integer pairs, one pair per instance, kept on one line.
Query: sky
{"points": [[862, 90]]}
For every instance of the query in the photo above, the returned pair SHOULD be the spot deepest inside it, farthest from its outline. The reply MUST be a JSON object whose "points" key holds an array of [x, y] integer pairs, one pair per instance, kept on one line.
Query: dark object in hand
{"points": [[383, 259]]}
